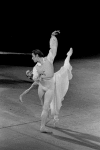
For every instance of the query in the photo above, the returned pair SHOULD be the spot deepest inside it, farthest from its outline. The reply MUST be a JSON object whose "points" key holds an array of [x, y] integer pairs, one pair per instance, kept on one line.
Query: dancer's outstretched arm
{"points": [[26, 91]]}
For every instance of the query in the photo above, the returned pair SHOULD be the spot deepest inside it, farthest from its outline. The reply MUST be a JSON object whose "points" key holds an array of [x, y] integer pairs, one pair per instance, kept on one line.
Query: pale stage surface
{"points": [[79, 124]]}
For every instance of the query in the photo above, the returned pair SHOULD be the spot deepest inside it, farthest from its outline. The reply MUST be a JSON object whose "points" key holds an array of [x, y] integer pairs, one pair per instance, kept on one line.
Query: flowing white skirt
{"points": [[61, 80]]}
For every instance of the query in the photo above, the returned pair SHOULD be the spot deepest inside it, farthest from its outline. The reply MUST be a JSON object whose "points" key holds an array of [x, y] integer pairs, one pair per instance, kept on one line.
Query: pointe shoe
{"points": [[70, 52]]}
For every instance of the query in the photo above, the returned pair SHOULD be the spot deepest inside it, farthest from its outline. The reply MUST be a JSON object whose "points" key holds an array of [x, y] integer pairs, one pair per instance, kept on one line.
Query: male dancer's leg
{"points": [[41, 93], [47, 100]]}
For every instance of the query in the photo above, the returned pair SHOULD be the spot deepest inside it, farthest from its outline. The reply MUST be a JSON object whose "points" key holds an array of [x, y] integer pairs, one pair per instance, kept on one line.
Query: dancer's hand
{"points": [[20, 98], [55, 32]]}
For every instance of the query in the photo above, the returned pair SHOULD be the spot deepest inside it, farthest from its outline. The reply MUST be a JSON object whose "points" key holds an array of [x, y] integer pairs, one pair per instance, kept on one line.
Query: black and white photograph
{"points": [[49, 77]]}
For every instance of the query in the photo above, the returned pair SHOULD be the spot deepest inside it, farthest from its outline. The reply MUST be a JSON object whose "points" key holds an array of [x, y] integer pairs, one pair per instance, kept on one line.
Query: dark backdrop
{"points": [[27, 28]]}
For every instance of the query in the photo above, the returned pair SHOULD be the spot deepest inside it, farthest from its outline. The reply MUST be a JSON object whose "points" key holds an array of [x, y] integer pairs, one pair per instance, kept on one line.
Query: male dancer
{"points": [[46, 84], [49, 93]]}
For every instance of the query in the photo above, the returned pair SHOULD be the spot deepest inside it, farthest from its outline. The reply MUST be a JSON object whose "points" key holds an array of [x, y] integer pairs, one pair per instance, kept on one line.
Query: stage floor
{"points": [[79, 124]]}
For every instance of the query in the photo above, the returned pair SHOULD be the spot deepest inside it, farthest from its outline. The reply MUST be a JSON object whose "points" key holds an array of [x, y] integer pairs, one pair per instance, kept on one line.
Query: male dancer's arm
{"points": [[53, 47], [52, 52]]}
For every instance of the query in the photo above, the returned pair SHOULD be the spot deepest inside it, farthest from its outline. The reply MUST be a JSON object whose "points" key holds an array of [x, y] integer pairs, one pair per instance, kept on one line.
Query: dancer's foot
{"points": [[55, 120], [45, 130], [70, 52]]}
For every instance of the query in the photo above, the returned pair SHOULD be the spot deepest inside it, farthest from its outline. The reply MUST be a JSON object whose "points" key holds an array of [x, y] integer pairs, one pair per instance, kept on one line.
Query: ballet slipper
{"points": [[45, 130]]}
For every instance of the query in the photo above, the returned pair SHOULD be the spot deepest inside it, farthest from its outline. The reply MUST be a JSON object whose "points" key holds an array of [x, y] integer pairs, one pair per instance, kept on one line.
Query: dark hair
{"points": [[38, 52]]}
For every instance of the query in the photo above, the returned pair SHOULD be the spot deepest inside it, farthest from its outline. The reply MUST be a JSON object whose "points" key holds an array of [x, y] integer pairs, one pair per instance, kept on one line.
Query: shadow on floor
{"points": [[9, 83], [79, 138]]}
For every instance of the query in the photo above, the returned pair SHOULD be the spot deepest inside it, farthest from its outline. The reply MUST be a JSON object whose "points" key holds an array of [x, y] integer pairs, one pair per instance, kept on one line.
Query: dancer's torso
{"points": [[48, 69]]}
